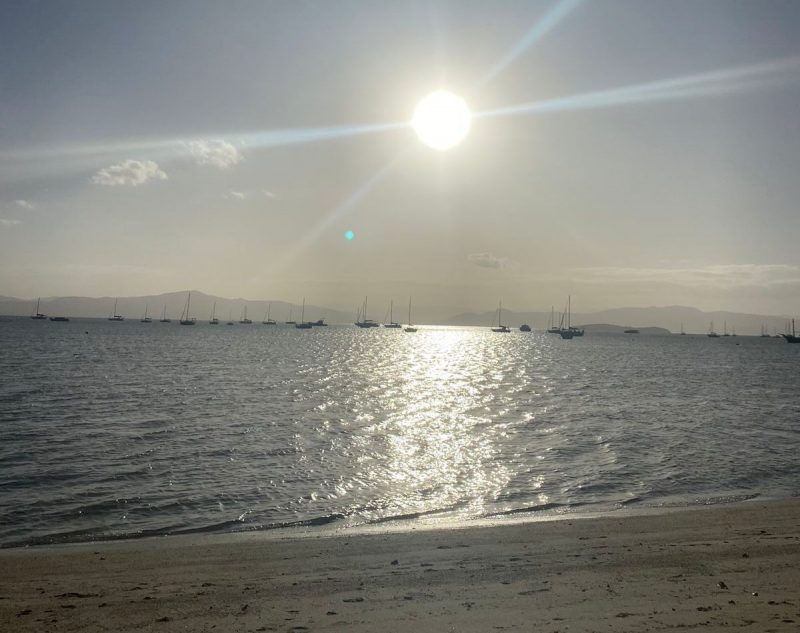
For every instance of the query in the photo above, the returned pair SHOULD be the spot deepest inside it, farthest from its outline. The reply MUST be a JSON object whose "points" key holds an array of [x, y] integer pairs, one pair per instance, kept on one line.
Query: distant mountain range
{"points": [[652, 320], [174, 302], [669, 318]]}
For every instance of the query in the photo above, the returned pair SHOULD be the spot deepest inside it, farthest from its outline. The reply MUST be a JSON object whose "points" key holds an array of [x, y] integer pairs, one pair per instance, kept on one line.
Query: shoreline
{"points": [[722, 566], [436, 520]]}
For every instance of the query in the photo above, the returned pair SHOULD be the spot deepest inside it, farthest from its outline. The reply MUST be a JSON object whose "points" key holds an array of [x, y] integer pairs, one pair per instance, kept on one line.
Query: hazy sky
{"points": [[155, 146]]}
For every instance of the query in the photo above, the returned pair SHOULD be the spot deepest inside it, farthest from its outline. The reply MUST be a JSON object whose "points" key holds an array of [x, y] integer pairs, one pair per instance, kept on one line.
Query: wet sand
{"points": [[715, 568]]}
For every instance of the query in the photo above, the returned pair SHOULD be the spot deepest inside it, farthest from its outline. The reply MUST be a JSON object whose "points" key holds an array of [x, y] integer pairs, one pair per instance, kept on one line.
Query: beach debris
{"points": [[359, 599], [24, 612], [244, 607], [395, 562], [754, 594], [166, 618], [721, 584], [331, 613], [745, 555]]}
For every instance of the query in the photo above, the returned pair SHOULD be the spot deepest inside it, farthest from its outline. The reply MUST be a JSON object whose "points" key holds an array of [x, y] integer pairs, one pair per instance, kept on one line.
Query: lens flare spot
{"points": [[349, 235]]}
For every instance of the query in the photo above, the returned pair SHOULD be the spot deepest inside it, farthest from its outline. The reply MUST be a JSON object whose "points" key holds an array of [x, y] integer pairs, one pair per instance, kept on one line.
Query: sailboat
{"points": [[711, 332], [115, 316], [267, 320], [792, 338], [185, 318], [230, 318], [725, 329], [164, 318], [391, 324], [145, 318], [764, 333], [410, 327], [291, 321], [38, 316], [683, 332], [303, 325], [500, 327], [570, 331], [551, 325], [214, 320], [244, 318], [361, 319]]}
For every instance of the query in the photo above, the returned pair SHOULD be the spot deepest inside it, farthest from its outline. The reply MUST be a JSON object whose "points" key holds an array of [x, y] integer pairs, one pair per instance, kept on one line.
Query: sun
{"points": [[441, 120]]}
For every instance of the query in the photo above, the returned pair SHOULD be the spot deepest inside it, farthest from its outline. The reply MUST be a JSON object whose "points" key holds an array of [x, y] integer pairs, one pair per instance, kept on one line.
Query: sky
{"points": [[629, 153]]}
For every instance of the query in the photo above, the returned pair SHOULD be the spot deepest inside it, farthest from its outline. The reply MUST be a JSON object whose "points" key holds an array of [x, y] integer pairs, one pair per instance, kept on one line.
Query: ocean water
{"points": [[112, 430]]}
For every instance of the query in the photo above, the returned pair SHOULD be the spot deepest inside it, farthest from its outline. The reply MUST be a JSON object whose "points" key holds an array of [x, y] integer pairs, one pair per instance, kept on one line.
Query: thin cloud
{"points": [[131, 173], [25, 204], [220, 154], [268, 194], [239, 195], [9, 222], [487, 260], [713, 276]]}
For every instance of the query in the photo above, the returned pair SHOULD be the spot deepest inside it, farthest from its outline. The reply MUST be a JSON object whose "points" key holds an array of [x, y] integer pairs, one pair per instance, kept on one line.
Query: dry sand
{"points": [[714, 568]]}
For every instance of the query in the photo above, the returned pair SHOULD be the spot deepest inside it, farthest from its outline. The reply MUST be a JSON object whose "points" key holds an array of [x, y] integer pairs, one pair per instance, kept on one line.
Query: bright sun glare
{"points": [[441, 120]]}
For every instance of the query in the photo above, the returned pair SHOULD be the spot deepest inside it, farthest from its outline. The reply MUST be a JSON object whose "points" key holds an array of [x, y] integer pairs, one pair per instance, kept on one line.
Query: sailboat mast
{"points": [[303, 312], [569, 311], [409, 310]]}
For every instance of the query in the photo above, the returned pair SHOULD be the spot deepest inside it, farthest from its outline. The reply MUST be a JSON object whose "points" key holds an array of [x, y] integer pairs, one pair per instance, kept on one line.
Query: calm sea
{"points": [[128, 429]]}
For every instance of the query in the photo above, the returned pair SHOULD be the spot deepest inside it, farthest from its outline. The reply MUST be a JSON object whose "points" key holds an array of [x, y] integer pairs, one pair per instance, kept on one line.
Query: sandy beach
{"points": [[715, 568]]}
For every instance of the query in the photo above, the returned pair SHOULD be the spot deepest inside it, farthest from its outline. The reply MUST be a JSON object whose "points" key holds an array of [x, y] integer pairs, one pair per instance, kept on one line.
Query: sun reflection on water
{"points": [[436, 447]]}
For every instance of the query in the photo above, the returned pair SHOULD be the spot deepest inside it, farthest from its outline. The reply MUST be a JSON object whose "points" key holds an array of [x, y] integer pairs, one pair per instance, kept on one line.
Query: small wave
{"points": [[537, 508], [410, 516]]}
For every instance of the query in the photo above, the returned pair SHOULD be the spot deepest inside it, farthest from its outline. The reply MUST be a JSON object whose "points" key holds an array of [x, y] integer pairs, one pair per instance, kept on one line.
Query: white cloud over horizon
{"points": [[217, 153], [25, 204], [130, 173], [9, 222], [488, 260], [723, 276]]}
